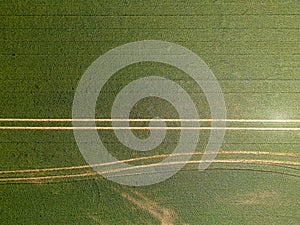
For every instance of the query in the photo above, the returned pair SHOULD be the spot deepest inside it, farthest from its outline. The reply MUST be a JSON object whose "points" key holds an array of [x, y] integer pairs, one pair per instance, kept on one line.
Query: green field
{"points": [[253, 49]]}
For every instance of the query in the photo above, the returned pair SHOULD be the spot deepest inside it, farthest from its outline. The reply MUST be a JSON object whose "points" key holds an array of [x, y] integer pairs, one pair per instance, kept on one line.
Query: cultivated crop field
{"points": [[251, 47]]}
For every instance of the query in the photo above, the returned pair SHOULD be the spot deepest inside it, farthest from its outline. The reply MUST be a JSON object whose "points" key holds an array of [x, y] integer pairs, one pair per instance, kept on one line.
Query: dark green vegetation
{"points": [[252, 47]]}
